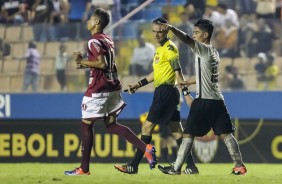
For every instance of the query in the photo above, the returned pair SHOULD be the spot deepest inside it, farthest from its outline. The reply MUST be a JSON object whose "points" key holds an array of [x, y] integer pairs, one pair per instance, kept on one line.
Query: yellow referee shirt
{"points": [[166, 62]]}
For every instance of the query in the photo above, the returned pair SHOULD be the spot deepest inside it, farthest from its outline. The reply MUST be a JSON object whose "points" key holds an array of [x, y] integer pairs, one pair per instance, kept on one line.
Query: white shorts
{"points": [[100, 105]]}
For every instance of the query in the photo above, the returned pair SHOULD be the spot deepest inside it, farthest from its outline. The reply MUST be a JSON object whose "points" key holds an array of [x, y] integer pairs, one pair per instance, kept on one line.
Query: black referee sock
{"points": [[190, 161], [174, 153], [164, 154], [139, 153]]}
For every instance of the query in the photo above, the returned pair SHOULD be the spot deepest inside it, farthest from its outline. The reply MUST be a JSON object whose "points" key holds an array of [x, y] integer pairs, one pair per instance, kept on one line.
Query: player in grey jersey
{"points": [[208, 110]]}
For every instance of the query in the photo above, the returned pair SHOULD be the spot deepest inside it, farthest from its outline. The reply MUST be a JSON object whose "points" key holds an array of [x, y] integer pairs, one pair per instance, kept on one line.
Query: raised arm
{"points": [[184, 37], [180, 34]]}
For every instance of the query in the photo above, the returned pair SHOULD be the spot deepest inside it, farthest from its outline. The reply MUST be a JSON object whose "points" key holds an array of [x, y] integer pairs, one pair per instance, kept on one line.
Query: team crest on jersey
{"points": [[157, 59], [83, 107], [206, 147]]}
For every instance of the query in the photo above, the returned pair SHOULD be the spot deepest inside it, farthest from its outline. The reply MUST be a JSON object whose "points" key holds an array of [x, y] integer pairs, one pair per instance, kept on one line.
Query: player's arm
{"points": [[180, 34], [183, 88], [191, 81], [100, 62], [134, 87], [189, 99], [184, 37]]}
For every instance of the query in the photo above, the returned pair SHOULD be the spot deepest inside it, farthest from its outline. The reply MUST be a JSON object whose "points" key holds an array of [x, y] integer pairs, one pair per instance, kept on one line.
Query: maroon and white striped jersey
{"points": [[102, 80]]}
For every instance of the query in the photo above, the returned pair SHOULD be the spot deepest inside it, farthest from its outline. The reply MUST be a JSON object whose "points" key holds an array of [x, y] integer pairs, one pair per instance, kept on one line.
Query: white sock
{"points": [[233, 149], [183, 152]]}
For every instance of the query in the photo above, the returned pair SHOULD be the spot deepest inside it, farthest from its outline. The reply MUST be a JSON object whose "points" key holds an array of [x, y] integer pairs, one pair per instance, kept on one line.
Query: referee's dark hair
{"points": [[103, 16], [161, 20], [205, 25]]}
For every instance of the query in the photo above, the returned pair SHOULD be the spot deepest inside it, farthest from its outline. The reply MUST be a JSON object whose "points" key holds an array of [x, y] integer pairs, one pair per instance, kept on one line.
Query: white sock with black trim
{"points": [[184, 150], [233, 149]]}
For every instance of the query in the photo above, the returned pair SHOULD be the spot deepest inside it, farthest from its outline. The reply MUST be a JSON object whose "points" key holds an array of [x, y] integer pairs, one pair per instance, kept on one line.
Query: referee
{"points": [[164, 109]]}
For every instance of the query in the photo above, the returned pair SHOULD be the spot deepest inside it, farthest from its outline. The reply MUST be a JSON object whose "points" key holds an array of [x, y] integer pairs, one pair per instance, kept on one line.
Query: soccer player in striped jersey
{"points": [[102, 99], [208, 109]]}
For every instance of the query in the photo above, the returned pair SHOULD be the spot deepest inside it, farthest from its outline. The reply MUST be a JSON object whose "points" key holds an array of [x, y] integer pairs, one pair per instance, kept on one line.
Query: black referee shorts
{"points": [[206, 114], [164, 131], [164, 108]]}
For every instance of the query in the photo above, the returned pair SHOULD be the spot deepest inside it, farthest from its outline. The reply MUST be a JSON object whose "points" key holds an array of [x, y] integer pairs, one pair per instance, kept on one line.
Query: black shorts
{"points": [[164, 131], [206, 114], [164, 108]]}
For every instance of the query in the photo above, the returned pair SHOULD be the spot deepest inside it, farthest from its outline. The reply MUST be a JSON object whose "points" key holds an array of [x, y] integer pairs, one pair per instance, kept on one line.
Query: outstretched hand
{"points": [[78, 58], [182, 85], [132, 88]]}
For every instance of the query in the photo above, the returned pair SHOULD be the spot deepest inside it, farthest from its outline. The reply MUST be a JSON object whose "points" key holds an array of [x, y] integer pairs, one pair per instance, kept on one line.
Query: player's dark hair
{"points": [[103, 16], [31, 45], [206, 26], [161, 20]]}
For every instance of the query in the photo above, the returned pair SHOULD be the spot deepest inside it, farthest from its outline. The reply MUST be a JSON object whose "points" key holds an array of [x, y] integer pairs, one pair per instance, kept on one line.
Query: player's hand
{"points": [[165, 26], [77, 57], [188, 82], [132, 88], [81, 66], [181, 85]]}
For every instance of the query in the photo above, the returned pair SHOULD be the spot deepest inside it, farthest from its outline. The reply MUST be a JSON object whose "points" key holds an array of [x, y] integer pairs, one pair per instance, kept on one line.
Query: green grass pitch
{"points": [[40, 173]]}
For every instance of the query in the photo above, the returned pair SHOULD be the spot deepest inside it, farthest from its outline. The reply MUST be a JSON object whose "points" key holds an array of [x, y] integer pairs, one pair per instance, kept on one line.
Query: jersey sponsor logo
{"points": [[170, 47], [206, 147]]}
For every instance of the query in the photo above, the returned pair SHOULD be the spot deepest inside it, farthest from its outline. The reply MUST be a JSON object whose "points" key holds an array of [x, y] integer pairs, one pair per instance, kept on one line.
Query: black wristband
{"points": [[143, 82], [185, 91]]}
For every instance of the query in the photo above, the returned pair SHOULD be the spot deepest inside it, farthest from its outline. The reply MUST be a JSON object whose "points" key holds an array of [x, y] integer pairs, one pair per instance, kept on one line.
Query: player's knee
{"points": [[223, 136], [111, 128], [188, 136], [177, 135], [147, 128], [115, 128]]}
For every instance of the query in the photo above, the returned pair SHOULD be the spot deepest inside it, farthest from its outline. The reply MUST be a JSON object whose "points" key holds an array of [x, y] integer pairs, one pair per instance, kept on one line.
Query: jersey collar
{"points": [[164, 41]]}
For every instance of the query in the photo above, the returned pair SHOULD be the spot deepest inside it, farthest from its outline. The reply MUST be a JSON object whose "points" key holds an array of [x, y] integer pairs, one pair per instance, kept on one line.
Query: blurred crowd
{"points": [[243, 29]]}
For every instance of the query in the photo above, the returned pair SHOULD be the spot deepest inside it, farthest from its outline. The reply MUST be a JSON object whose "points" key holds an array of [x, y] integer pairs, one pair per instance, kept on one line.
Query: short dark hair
{"points": [[32, 45], [103, 16], [205, 25], [161, 20]]}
